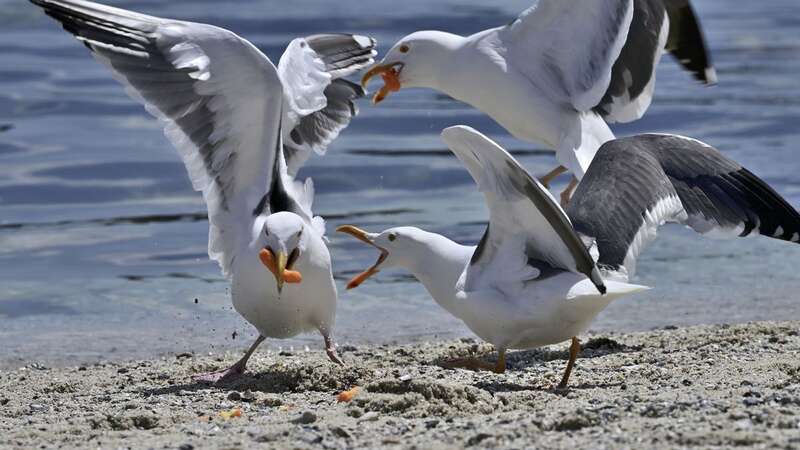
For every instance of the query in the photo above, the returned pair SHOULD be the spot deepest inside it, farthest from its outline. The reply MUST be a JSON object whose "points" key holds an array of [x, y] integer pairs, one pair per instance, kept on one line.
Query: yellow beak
{"points": [[363, 236], [280, 268]]}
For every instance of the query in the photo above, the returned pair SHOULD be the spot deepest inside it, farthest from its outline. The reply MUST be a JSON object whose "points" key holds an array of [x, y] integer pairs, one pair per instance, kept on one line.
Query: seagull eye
{"points": [[392, 237], [404, 48]]}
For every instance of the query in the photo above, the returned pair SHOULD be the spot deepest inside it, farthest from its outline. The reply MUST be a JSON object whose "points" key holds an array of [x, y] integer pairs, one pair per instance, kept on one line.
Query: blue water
{"points": [[103, 241]]}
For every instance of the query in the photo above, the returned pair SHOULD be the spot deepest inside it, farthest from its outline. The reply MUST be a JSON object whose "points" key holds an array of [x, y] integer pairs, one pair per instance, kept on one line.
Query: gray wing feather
{"points": [[519, 208], [343, 54], [567, 47], [317, 130], [633, 75], [224, 123], [322, 105], [636, 184], [686, 41]]}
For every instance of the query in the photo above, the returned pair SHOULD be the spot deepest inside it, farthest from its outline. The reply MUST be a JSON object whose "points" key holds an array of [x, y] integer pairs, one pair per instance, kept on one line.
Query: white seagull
{"points": [[243, 128], [558, 73], [540, 275]]}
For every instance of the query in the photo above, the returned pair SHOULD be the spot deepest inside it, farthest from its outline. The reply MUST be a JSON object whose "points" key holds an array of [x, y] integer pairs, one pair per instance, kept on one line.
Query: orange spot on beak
{"points": [[360, 278], [363, 236]]}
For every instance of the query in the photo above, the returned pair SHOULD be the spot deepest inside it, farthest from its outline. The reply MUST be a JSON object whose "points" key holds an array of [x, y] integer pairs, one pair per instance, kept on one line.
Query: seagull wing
{"points": [[525, 222], [218, 97], [636, 184], [657, 25], [319, 103], [567, 47]]}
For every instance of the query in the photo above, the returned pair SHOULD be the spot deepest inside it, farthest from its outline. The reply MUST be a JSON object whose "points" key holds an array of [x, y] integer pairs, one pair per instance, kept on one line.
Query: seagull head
{"points": [[398, 247], [417, 60], [282, 240]]}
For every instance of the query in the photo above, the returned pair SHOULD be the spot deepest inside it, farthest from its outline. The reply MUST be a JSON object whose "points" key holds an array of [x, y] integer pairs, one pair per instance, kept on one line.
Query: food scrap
{"points": [[289, 276], [348, 395], [235, 412], [391, 83]]}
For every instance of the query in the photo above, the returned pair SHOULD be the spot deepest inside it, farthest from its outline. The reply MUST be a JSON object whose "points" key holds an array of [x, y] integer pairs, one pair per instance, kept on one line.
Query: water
{"points": [[103, 241]]}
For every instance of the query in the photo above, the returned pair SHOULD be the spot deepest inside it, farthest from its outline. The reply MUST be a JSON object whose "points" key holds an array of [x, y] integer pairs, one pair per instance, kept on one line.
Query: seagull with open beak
{"points": [[558, 73], [541, 274]]}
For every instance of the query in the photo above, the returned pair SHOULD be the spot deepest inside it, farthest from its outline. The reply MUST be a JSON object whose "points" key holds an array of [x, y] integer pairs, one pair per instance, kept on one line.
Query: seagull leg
{"points": [[234, 371], [500, 367], [477, 364], [566, 194], [330, 347], [574, 349], [550, 176]]}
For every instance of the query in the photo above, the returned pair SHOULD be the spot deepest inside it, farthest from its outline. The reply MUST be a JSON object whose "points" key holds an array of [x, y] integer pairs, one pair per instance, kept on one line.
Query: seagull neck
{"points": [[437, 75], [460, 69], [438, 263]]}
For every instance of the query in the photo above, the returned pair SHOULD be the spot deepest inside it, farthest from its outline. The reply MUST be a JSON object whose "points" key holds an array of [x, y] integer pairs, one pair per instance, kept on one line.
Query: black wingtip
{"points": [[596, 279], [687, 42], [775, 217]]}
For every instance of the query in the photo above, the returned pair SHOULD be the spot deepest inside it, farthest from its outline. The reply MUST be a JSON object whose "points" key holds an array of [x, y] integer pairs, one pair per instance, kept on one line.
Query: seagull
{"points": [[540, 274], [557, 74], [243, 128]]}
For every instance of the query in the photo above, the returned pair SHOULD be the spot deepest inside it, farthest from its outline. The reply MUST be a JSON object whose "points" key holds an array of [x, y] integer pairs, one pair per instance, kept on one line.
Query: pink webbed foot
{"points": [[330, 349], [231, 373]]}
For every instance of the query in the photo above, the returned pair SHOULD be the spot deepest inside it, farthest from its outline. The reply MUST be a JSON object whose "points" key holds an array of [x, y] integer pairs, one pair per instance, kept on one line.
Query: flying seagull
{"points": [[540, 274], [243, 128], [558, 73]]}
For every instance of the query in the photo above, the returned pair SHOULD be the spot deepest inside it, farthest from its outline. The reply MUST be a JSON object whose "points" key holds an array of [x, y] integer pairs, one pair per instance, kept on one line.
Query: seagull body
{"points": [[490, 84], [540, 274], [243, 127], [528, 311], [298, 308], [557, 74]]}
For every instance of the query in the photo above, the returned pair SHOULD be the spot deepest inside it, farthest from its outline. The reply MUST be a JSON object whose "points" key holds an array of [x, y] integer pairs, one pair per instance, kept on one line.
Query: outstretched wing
{"points": [[657, 25], [525, 223], [218, 97], [319, 103], [568, 47], [636, 184]]}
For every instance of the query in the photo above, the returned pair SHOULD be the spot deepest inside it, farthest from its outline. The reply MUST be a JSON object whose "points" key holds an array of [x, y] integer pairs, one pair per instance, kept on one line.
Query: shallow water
{"points": [[103, 241]]}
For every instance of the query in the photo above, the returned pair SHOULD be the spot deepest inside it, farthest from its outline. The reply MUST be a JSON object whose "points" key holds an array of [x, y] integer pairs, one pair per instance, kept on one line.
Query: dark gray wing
{"points": [[319, 103], [525, 222], [218, 97], [657, 25], [636, 184]]}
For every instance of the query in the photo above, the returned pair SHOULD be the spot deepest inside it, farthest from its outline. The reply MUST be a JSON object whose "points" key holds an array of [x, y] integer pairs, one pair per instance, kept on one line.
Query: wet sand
{"points": [[706, 386]]}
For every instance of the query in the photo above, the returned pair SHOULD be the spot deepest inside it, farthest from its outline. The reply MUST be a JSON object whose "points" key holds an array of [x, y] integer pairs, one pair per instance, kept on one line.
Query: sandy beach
{"points": [[706, 386]]}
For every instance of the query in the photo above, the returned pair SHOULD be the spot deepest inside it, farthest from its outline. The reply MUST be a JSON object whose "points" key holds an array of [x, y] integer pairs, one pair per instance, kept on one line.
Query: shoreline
{"points": [[712, 385]]}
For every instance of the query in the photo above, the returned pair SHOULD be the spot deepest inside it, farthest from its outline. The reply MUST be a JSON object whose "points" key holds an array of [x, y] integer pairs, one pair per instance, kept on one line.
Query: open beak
{"points": [[391, 79], [363, 236], [280, 265]]}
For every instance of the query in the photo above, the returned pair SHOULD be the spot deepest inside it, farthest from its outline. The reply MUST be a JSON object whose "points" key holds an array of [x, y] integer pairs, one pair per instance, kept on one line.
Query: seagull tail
{"points": [[584, 301]]}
